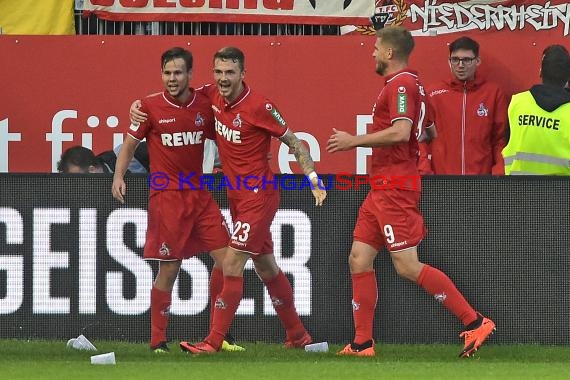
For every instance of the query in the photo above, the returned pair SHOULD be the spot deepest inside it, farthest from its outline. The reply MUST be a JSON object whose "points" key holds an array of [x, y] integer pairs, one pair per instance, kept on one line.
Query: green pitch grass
{"points": [[52, 360]]}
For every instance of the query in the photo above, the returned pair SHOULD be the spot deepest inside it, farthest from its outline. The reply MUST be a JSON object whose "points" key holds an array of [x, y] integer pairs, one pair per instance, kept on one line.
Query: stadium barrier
{"points": [[70, 263]]}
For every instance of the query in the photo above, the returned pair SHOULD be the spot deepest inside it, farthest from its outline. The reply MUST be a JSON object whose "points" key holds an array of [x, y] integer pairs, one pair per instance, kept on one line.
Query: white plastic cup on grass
{"points": [[82, 343], [317, 347], [104, 359]]}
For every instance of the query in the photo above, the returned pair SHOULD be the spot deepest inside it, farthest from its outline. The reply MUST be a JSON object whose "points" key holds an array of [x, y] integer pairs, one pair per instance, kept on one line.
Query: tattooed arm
{"points": [[306, 162], [300, 151]]}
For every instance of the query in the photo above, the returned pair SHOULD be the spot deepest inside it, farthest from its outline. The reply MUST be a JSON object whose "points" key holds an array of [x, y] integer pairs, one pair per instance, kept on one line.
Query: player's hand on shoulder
{"points": [[135, 113]]}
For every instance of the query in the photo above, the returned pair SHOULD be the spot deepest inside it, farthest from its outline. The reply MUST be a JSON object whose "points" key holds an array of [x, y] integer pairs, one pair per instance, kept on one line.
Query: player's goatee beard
{"points": [[380, 68]]}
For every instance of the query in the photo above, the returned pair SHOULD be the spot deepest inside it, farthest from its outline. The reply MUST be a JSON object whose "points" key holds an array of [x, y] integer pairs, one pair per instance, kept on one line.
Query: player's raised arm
{"points": [[305, 160]]}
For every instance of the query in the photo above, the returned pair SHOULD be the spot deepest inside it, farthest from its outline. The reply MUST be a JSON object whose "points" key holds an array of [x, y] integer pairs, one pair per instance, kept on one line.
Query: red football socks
{"points": [[281, 293], [437, 284], [160, 301], [225, 309], [364, 297], [216, 286]]}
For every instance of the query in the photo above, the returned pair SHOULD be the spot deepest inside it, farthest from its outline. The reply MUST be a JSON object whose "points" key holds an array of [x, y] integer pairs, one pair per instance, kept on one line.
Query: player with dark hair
{"points": [[555, 66], [470, 114], [540, 121], [389, 216], [183, 220], [79, 159], [245, 123]]}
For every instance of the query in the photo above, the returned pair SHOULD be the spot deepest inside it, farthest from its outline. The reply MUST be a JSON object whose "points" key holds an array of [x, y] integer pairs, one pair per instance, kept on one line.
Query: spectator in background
{"points": [[469, 114], [79, 159], [540, 121]]}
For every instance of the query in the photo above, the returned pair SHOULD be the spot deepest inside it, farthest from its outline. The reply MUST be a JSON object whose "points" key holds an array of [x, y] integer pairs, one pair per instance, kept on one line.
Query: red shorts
{"points": [[390, 218], [182, 224], [252, 217]]}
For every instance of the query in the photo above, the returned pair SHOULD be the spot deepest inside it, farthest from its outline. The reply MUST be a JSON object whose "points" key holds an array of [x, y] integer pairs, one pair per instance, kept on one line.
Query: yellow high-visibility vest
{"points": [[540, 140]]}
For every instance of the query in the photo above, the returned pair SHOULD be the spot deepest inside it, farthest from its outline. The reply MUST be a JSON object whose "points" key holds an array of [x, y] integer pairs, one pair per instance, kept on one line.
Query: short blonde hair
{"points": [[399, 39]]}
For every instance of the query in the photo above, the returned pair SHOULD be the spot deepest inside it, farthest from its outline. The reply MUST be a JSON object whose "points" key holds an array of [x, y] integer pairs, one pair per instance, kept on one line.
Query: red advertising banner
{"points": [[60, 91], [256, 11]]}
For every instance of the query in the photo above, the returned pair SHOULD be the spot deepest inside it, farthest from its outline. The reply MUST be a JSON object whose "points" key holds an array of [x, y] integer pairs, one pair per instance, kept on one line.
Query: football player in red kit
{"points": [[389, 216], [183, 220], [245, 123]]}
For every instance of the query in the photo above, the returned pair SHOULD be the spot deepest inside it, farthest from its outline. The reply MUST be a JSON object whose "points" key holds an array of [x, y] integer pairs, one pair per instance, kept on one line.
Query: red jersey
{"points": [[402, 97], [244, 129], [175, 134]]}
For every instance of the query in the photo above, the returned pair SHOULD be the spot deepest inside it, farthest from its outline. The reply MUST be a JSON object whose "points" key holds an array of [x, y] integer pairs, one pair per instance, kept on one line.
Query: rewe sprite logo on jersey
{"points": [[276, 115]]}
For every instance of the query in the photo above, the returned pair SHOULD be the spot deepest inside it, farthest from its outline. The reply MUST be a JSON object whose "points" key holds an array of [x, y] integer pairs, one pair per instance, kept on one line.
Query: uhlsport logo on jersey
{"points": [[276, 115]]}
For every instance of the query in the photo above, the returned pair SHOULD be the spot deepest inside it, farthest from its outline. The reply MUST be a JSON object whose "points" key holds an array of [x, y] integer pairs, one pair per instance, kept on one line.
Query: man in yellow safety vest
{"points": [[540, 121]]}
